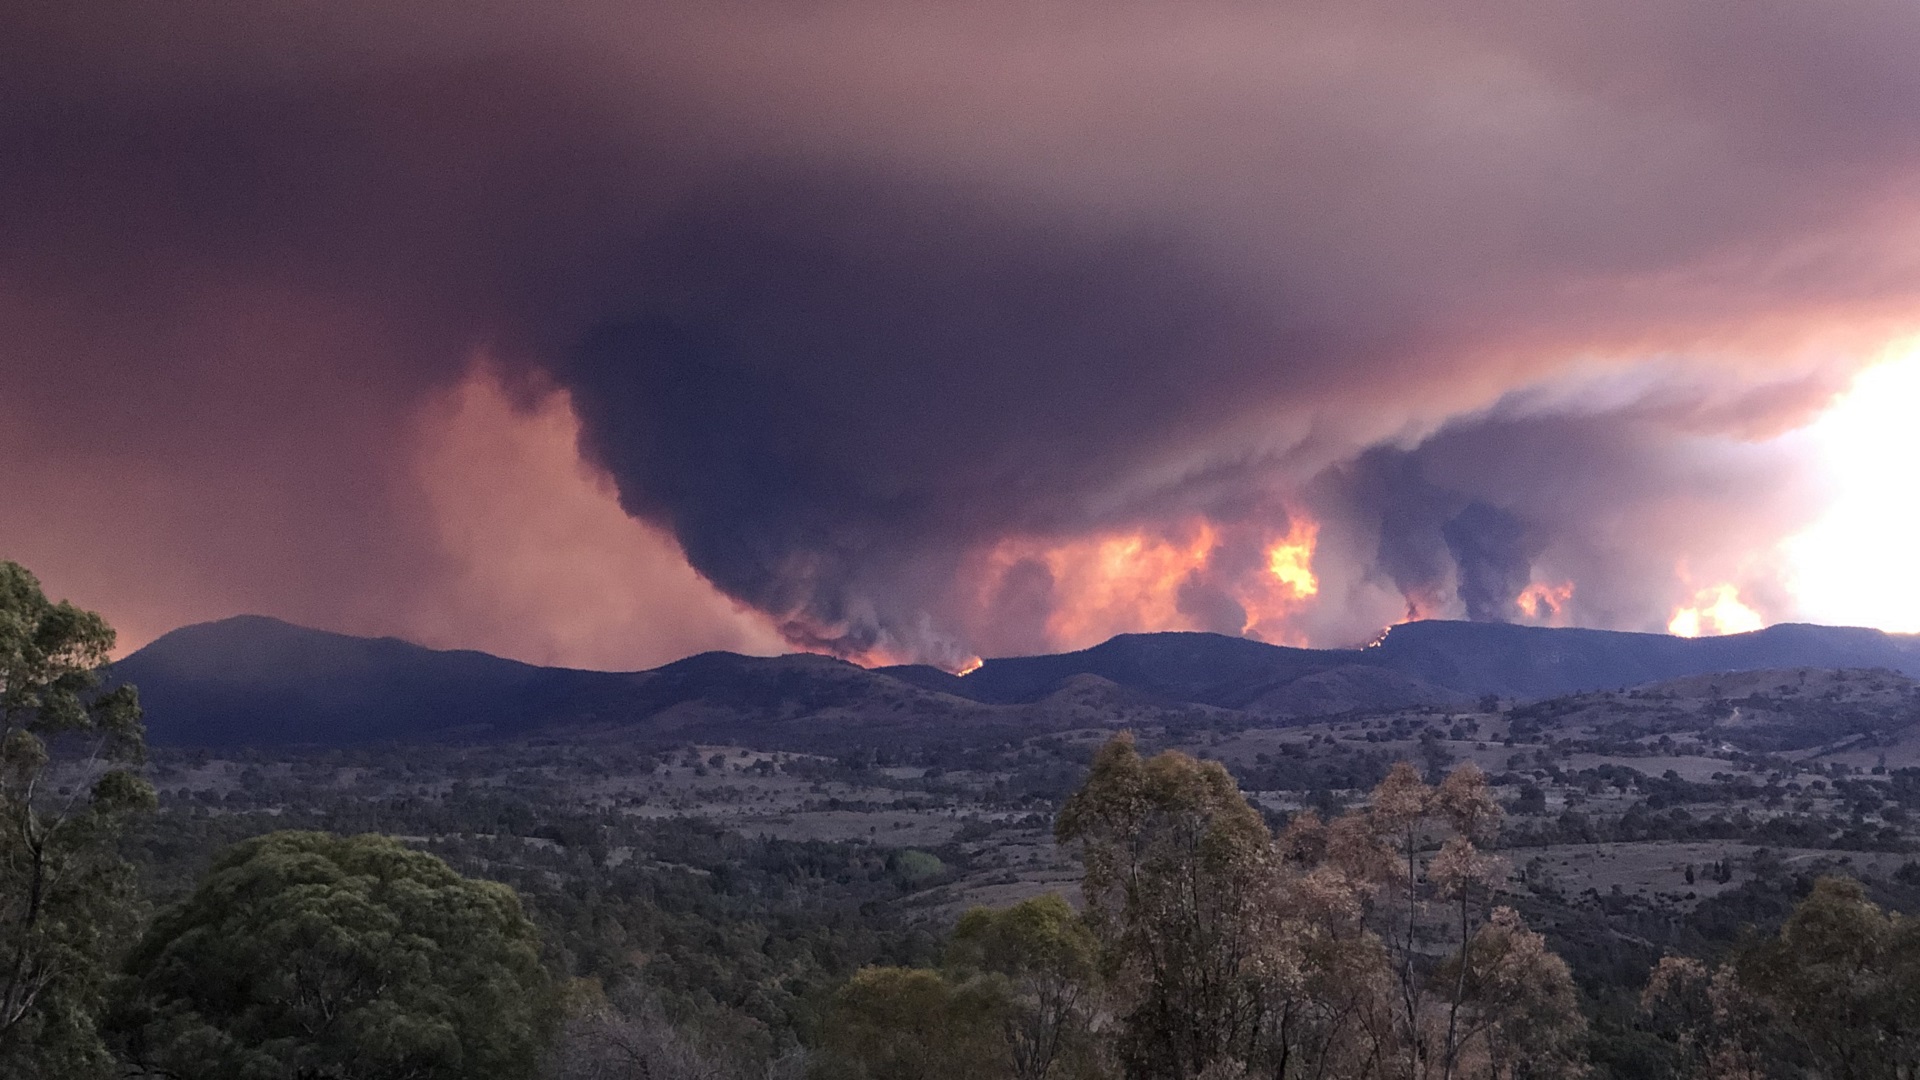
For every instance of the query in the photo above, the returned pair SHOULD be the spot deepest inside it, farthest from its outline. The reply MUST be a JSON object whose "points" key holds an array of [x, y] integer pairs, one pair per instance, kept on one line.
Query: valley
{"points": [[763, 828], [1612, 798]]}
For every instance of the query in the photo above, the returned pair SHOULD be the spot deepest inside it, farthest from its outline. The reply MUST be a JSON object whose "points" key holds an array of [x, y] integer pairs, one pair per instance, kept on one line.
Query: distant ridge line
{"points": [[256, 680]]}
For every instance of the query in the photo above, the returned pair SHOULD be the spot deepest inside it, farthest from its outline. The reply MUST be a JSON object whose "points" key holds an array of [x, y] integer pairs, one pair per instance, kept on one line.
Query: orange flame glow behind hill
{"points": [[1545, 602], [1273, 598], [1715, 610], [1290, 560], [1133, 581], [1115, 584]]}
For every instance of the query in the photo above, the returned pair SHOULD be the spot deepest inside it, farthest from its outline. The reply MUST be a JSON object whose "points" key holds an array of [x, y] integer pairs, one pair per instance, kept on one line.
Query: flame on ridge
{"points": [[1542, 601], [1715, 610]]}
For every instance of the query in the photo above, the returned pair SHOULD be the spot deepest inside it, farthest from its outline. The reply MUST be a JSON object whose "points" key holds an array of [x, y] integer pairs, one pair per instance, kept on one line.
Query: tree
{"points": [[1230, 952], [309, 956], [1501, 951], [1042, 956], [628, 1036], [1844, 978], [1835, 995], [1716, 1027], [67, 740], [894, 1023], [1501, 1005], [1515, 1014], [1179, 883]]}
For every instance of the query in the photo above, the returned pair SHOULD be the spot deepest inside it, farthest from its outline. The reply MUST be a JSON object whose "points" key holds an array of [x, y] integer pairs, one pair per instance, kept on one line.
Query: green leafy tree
{"points": [[1042, 956], [67, 741], [1179, 887], [1843, 977], [307, 956], [1717, 1029], [894, 1023], [628, 1036], [1835, 995]]}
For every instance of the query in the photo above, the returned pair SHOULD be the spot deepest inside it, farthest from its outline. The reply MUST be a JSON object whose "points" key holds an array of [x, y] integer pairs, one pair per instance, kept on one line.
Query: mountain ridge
{"points": [[258, 680]]}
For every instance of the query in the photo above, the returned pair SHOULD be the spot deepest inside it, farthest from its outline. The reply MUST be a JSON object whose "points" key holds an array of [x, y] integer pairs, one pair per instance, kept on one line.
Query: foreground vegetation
{"points": [[580, 912]]}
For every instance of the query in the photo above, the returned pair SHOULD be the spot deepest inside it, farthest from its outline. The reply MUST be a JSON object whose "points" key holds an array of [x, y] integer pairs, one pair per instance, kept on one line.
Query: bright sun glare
{"points": [[1859, 565]]}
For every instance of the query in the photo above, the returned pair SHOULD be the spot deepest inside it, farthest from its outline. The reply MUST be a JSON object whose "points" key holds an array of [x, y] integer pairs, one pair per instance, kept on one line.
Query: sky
{"points": [[600, 334]]}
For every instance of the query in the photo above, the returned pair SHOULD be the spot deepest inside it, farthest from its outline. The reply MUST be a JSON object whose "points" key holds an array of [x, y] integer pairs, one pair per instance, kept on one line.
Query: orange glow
{"points": [[1130, 582], [1290, 561], [1271, 601], [1540, 601], [542, 563], [1716, 610], [1116, 584], [972, 665]]}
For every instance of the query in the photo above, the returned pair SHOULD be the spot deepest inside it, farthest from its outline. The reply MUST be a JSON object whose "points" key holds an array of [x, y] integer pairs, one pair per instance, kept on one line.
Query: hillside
{"points": [[258, 681], [1532, 662], [255, 680]]}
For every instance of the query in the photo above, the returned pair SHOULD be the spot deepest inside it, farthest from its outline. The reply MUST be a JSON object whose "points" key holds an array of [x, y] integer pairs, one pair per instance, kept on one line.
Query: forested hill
{"points": [[255, 680], [1440, 656]]}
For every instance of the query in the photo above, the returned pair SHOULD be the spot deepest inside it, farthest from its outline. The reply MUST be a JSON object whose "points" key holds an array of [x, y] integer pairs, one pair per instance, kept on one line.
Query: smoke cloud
{"points": [[925, 333]]}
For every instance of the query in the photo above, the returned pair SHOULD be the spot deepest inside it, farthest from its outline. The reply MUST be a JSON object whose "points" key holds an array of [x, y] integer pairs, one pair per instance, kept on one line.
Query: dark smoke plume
{"points": [[1493, 556], [852, 300]]}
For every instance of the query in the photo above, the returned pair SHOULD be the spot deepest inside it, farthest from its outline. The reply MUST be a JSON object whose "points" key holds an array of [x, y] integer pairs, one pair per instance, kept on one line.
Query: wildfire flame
{"points": [[1290, 560], [1133, 581], [1715, 610], [1541, 601]]}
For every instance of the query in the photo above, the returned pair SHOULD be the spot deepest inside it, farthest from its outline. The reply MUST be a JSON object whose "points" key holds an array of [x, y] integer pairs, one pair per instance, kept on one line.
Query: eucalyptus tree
{"points": [[896, 1023], [1228, 952], [1040, 956], [312, 957], [1179, 884], [69, 742]]}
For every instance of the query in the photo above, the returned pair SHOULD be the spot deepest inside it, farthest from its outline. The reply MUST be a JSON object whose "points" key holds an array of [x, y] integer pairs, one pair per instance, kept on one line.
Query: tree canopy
{"points": [[67, 742], [304, 955], [1229, 951]]}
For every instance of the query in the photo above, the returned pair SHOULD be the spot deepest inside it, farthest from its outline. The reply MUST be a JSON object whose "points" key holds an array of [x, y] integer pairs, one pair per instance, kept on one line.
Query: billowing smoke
{"points": [[1495, 559], [1437, 542], [928, 332]]}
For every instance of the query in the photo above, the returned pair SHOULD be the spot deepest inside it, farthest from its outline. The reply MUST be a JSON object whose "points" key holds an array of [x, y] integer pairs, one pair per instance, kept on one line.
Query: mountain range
{"points": [[253, 680]]}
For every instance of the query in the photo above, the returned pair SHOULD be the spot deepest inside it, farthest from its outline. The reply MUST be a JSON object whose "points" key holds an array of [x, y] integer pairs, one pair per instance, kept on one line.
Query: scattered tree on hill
{"points": [[307, 955], [66, 899]]}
